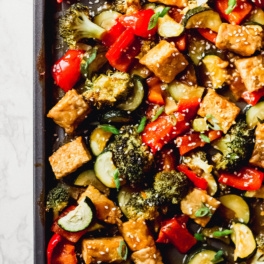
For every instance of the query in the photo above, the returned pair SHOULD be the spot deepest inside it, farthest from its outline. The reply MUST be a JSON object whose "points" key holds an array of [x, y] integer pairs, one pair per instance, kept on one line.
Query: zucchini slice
{"points": [[243, 238], [116, 116], [98, 140], [106, 19], [136, 98], [238, 205], [79, 218], [105, 170], [204, 256], [88, 177], [254, 114], [123, 197], [180, 91], [202, 17]]}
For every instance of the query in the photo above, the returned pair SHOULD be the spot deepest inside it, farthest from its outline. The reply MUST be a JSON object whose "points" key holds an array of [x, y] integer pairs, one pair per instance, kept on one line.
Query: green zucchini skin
{"points": [[116, 116], [80, 218]]}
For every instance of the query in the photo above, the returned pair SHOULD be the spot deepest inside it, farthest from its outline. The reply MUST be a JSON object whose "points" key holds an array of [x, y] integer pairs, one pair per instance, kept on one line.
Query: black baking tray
{"points": [[47, 48]]}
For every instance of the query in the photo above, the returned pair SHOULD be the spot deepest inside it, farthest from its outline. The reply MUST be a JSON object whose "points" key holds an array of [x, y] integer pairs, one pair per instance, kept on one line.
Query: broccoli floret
{"points": [[131, 157], [235, 147], [126, 6], [260, 241], [144, 204], [197, 162], [76, 25], [57, 199], [171, 185], [108, 89]]}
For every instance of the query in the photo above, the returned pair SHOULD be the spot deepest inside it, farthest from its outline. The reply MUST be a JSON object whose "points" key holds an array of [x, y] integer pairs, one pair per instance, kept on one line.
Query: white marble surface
{"points": [[16, 131]]}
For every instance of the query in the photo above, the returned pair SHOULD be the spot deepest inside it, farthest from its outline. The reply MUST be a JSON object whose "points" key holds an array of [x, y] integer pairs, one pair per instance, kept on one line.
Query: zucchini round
{"points": [[88, 177], [238, 205], [243, 238], [204, 256], [123, 197], [105, 170], [116, 116], [202, 17], [98, 140], [254, 114], [136, 98], [106, 19], [79, 218]]}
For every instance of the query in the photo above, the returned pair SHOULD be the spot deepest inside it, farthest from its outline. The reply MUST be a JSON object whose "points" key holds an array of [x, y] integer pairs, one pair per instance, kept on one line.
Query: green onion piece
{"points": [[110, 128], [231, 5], [158, 113], [214, 122], [225, 232], [154, 19], [87, 60], [122, 250], [203, 211], [199, 237], [142, 124], [116, 179], [218, 257], [204, 138]]}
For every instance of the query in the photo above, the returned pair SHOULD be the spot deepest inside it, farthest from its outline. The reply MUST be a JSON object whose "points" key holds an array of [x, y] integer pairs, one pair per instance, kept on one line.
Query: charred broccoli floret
{"points": [[144, 204], [171, 185], [124, 6], [131, 157], [76, 25], [108, 89], [57, 199], [235, 147], [197, 162]]}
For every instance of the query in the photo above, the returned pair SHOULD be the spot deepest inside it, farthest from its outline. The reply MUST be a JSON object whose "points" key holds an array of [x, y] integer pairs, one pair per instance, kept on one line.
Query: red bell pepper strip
{"points": [[194, 140], [112, 34], [247, 179], [197, 181], [60, 250], [189, 107], [253, 97], [139, 22], [155, 91], [208, 34], [258, 3], [123, 51], [70, 236], [175, 232], [66, 71], [237, 15]]}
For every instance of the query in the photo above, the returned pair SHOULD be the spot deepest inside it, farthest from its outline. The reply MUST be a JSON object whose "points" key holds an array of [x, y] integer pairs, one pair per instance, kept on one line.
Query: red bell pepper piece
{"points": [[194, 140], [189, 107], [165, 128], [70, 236], [139, 22], [154, 91], [258, 3], [181, 42], [112, 34], [66, 71], [197, 181], [123, 51], [174, 231], [253, 97], [208, 34], [166, 159], [241, 10], [247, 178], [60, 250]]}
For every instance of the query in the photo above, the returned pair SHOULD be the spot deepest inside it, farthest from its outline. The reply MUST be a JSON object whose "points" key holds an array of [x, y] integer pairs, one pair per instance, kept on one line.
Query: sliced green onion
{"points": [[222, 233], [142, 124], [116, 179], [110, 128], [214, 122], [199, 237], [154, 19], [204, 138], [87, 60], [203, 211], [122, 250], [158, 113], [231, 5], [218, 256]]}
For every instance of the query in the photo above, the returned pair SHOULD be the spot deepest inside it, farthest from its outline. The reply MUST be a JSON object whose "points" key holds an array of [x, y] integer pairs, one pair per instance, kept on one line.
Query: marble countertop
{"points": [[16, 132]]}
